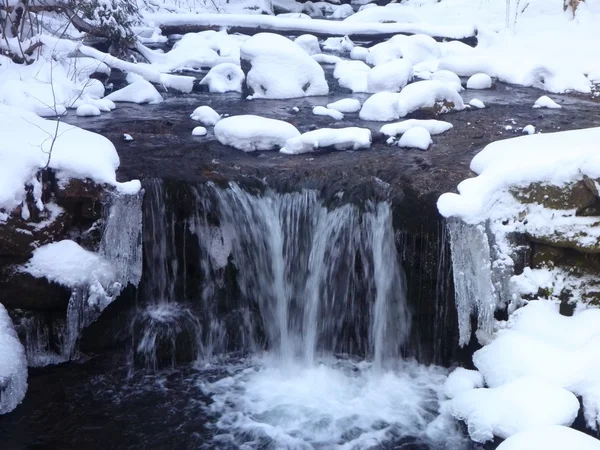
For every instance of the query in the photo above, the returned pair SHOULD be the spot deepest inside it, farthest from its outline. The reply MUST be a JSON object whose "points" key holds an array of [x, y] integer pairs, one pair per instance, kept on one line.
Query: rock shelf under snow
{"points": [[250, 133], [13, 365], [351, 138]]}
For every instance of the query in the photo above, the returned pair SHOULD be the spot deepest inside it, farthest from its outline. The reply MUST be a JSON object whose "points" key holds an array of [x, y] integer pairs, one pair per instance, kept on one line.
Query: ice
{"points": [[529, 129], [87, 110], [341, 139], [428, 94], [476, 103], [520, 405], [309, 43], [416, 137], [206, 116], [546, 102], [270, 56], [462, 380], [250, 133], [333, 113], [346, 105], [199, 131], [390, 77], [140, 91], [224, 77], [381, 107], [553, 437], [13, 365], [479, 81], [432, 126]]}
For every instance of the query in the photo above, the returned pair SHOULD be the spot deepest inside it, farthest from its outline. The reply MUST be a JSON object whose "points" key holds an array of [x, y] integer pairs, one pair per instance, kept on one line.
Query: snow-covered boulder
{"points": [[338, 44], [13, 365], [225, 77], [416, 49], [529, 129], [250, 133], [476, 103], [546, 102], [342, 11], [199, 131], [205, 115], [87, 110], [448, 77], [322, 111], [479, 81], [416, 137], [381, 107], [391, 76], [140, 91], [432, 126], [346, 105], [557, 78], [308, 43], [462, 380], [351, 138], [352, 75], [433, 95], [276, 67], [359, 53], [553, 437]]}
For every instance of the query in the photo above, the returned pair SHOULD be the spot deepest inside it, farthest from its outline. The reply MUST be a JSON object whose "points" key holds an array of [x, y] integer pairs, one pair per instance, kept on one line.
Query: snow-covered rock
{"points": [[462, 380], [449, 78], [140, 91], [351, 138], [250, 133], [352, 75], [338, 44], [529, 129], [416, 49], [479, 81], [225, 77], [281, 69], [546, 102], [308, 43], [359, 53], [553, 437], [557, 78], [390, 77], [205, 115], [476, 103], [430, 94], [13, 365], [342, 11], [87, 110], [432, 126], [199, 131], [322, 111], [346, 105], [381, 107], [416, 137]]}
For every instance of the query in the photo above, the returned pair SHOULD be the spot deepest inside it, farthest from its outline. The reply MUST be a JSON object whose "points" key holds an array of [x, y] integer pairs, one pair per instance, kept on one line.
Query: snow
{"points": [[346, 105], [26, 141], [382, 107], [87, 110], [127, 137], [199, 131], [462, 380], [352, 75], [69, 265], [416, 49], [554, 437], [432, 126], [479, 81], [428, 94], [205, 115], [546, 102], [339, 45], [448, 77], [529, 129], [391, 76], [333, 113], [351, 138], [225, 77], [476, 103], [359, 53], [140, 91], [250, 133], [416, 137], [308, 43], [13, 365], [520, 405], [271, 56]]}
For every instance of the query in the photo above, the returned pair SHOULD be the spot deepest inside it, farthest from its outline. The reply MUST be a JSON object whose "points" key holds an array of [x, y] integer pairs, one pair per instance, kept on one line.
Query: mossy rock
{"points": [[576, 196]]}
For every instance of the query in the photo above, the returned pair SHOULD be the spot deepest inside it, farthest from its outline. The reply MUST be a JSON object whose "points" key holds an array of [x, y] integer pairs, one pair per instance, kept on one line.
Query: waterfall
{"points": [[278, 271]]}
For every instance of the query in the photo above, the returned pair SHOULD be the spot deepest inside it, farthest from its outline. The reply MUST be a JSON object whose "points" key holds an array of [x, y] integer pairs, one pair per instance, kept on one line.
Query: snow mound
{"points": [[476, 103], [429, 94], [518, 162], [205, 115], [199, 131], [432, 126], [391, 76], [448, 77], [87, 110], [479, 81], [346, 105], [416, 137], [381, 107], [250, 133], [322, 111], [308, 43], [462, 380], [67, 264], [529, 129], [352, 75], [416, 48], [281, 69], [225, 77], [546, 102], [351, 138], [140, 91], [553, 437], [516, 406], [13, 365]]}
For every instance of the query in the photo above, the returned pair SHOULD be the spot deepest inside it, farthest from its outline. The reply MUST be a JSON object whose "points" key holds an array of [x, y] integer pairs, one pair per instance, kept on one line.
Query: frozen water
{"points": [[13, 365]]}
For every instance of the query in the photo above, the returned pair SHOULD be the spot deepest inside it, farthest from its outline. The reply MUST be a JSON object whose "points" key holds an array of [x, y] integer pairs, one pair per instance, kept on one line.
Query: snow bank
{"points": [[341, 139], [250, 133], [550, 438], [225, 77], [429, 94], [205, 115], [555, 158], [140, 91], [432, 126], [346, 105], [13, 365], [322, 111], [546, 102], [479, 81], [24, 147], [416, 137], [281, 69]]}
